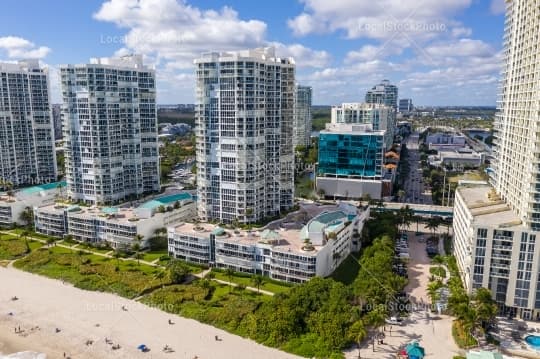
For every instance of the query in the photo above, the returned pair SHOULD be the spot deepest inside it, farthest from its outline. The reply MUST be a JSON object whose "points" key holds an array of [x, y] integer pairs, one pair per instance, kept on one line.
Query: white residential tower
{"points": [[110, 130]]}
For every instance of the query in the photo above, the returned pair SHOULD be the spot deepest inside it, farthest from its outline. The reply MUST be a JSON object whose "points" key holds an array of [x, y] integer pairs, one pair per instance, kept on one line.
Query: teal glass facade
{"points": [[350, 155]]}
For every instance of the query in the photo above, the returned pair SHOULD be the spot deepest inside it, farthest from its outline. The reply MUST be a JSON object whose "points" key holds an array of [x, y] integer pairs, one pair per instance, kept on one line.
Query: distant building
{"points": [[403, 128], [27, 155], [287, 254], [441, 141], [178, 129], [115, 226], [379, 116], [56, 110], [457, 159], [110, 130], [351, 161], [11, 207], [244, 119], [383, 93], [405, 105], [302, 116]]}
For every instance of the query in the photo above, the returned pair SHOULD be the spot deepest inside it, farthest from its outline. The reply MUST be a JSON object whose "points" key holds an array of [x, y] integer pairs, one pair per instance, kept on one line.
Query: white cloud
{"points": [[19, 48], [303, 56], [458, 32], [497, 7], [179, 32], [372, 52], [420, 46], [383, 19], [171, 34], [460, 48]]}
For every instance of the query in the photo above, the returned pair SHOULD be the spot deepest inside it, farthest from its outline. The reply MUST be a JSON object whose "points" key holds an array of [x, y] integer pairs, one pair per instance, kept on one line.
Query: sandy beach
{"points": [[82, 316]]}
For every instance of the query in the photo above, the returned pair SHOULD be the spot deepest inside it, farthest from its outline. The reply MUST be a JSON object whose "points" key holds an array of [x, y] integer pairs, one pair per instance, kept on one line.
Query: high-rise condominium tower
{"points": [[244, 119], [496, 228], [27, 153], [110, 130], [383, 93], [302, 116]]}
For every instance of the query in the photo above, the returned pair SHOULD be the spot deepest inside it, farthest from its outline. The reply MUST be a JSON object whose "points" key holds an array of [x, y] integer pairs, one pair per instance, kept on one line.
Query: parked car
{"points": [[394, 321]]}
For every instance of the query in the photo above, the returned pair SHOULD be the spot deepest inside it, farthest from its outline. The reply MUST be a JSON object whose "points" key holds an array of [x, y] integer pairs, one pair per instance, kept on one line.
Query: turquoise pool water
{"points": [[166, 200], [533, 341]]}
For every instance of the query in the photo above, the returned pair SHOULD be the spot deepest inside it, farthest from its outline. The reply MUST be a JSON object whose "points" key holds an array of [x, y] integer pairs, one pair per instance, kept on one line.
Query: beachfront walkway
{"points": [[434, 332]]}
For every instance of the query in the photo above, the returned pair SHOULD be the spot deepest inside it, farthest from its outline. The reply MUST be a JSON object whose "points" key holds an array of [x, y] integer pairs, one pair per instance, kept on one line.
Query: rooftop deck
{"points": [[486, 208]]}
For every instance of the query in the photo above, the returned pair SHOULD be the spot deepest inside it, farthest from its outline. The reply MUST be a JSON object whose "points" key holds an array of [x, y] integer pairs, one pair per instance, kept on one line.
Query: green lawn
{"points": [[246, 280], [91, 248], [90, 271], [151, 256], [17, 231], [347, 271], [34, 245]]}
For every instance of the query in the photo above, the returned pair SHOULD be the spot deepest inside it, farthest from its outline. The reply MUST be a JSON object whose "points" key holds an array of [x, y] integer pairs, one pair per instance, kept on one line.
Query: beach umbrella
{"points": [[415, 351], [141, 347]]}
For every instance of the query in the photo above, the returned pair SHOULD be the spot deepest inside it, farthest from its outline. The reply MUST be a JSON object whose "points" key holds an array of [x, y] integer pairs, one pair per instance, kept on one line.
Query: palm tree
{"points": [[229, 272], [433, 290], [27, 216], [24, 236], [433, 224], [405, 216], [136, 246], [376, 320], [485, 305], [117, 256], [439, 261], [358, 333], [160, 275], [258, 280]]}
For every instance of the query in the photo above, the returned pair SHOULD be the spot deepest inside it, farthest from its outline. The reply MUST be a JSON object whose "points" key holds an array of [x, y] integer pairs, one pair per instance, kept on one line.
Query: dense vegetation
{"points": [[453, 122], [320, 117], [175, 152], [93, 272]]}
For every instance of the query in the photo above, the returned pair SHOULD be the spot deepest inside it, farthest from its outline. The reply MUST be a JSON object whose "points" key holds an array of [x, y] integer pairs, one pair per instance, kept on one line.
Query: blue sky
{"points": [[439, 52]]}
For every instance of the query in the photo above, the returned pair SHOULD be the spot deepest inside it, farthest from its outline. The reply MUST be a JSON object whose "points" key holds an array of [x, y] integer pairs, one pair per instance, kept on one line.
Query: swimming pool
{"points": [[533, 341]]}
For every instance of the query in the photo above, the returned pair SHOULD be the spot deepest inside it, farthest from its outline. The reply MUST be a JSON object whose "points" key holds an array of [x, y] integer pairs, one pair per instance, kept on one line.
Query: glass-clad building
{"points": [[353, 155]]}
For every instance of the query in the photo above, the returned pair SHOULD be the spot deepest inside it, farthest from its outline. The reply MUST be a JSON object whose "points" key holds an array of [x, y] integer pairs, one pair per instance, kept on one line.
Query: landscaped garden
{"points": [[247, 280], [92, 272]]}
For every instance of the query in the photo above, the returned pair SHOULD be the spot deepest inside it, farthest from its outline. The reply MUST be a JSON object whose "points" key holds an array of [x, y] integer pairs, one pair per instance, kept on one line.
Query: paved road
{"points": [[416, 191]]}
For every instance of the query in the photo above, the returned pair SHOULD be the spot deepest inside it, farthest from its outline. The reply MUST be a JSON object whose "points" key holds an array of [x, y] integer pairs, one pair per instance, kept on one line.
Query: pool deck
{"points": [[510, 330]]}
